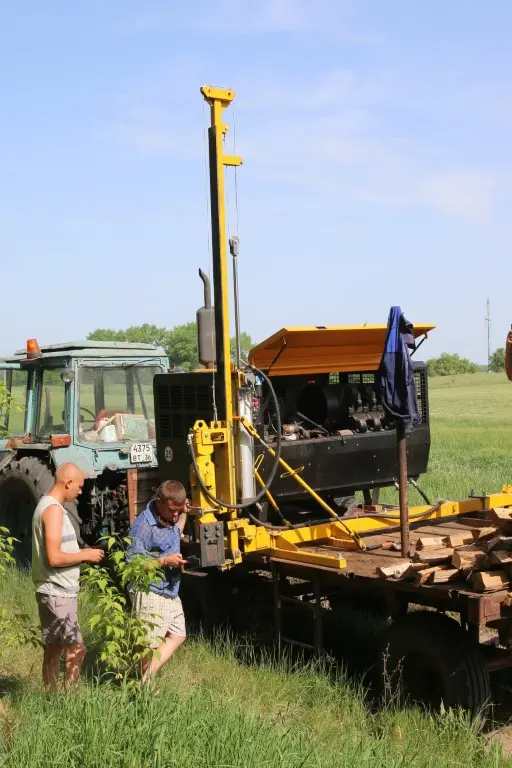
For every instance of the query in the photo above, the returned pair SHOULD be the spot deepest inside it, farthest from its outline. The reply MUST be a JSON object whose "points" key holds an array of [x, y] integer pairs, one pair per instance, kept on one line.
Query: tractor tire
{"points": [[429, 659], [22, 483]]}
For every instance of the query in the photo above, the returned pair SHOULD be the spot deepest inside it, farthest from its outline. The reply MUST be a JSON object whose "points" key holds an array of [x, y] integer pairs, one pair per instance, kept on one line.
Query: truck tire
{"points": [[430, 659], [22, 483]]}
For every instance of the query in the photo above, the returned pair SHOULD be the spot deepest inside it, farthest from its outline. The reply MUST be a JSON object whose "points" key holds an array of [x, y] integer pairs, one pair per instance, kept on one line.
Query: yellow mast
{"points": [[219, 99]]}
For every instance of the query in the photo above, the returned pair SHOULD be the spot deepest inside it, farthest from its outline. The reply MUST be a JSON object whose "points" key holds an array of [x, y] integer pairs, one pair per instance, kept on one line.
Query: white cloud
{"points": [[460, 193]]}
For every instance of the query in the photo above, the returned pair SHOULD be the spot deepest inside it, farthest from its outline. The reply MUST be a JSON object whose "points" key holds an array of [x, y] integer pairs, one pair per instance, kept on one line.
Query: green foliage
{"points": [[497, 361], [121, 634], [8, 405], [180, 342], [450, 364], [15, 628]]}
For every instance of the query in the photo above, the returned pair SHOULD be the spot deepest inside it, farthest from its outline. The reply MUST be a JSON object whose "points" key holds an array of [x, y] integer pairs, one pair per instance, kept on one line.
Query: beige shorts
{"points": [[165, 613], [59, 619]]}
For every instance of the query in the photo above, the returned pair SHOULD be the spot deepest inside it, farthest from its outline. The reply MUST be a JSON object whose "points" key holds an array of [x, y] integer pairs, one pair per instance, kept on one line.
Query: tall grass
{"points": [[223, 705]]}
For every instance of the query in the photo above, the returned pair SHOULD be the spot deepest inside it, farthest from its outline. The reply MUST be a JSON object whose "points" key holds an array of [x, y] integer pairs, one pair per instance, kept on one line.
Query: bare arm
{"points": [[52, 529]]}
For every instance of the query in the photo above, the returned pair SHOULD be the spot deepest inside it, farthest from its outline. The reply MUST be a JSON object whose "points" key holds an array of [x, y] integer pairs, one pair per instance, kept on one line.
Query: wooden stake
{"points": [[401, 441]]}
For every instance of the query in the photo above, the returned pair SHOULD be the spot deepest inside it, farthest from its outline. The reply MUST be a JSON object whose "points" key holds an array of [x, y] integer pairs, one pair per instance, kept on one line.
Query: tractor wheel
{"points": [[429, 659], [22, 483]]}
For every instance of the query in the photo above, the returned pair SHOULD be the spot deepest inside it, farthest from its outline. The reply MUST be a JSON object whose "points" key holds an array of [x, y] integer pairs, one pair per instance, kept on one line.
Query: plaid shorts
{"points": [[59, 619], [165, 613]]}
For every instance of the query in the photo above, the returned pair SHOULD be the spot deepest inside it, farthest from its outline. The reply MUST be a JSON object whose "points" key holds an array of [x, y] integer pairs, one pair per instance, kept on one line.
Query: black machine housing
{"points": [[334, 429]]}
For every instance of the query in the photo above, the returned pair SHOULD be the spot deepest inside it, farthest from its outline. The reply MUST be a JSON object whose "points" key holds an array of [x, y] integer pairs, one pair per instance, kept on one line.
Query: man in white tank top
{"points": [[56, 559]]}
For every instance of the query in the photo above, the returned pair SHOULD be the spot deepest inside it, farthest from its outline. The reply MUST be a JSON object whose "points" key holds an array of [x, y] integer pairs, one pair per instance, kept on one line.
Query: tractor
{"points": [[87, 402]]}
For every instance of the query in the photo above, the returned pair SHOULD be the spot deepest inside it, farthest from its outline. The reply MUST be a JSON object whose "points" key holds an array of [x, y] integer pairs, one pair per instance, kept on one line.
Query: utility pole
{"points": [[488, 322]]}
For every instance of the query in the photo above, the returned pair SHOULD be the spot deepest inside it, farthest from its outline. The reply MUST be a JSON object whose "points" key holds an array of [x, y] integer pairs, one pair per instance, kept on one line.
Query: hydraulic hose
{"points": [[273, 470]]}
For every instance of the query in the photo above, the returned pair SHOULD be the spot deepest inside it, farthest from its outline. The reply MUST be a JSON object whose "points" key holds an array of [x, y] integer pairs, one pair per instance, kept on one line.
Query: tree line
{"points": [[180, 342], [449, 364]]}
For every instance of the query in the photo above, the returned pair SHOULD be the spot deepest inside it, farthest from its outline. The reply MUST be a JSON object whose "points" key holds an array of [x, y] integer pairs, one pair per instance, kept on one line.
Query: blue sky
{"points": [[376, 139]]}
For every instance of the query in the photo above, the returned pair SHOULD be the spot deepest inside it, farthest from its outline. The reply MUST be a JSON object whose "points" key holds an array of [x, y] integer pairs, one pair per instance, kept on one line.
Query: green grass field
{"points": [[217, 710]]}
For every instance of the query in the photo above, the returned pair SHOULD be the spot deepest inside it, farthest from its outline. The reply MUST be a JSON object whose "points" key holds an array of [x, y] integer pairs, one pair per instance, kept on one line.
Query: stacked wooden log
{"points": [[480, 557]]}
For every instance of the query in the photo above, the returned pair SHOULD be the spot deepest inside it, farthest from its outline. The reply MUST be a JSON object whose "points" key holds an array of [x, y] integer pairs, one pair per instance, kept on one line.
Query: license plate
{"points": [[141, 453]]}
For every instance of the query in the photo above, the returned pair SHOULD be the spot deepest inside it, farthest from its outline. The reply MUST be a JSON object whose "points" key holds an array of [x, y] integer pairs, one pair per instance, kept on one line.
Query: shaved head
{"points": [[69, 471], [69, 479]]}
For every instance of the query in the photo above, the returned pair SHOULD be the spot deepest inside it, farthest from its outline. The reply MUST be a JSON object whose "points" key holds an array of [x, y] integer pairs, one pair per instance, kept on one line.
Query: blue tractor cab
{"points": [[89, 402]]}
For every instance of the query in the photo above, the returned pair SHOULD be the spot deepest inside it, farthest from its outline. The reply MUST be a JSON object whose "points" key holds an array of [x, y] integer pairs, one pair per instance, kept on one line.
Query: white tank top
{"points": [[61, 582]]}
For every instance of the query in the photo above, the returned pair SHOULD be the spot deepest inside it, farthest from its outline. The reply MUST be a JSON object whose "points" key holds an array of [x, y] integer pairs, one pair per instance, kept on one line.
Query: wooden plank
{"points": [[470, 558], [429, 542], [434, 556], [458, 539], [485, 581]]}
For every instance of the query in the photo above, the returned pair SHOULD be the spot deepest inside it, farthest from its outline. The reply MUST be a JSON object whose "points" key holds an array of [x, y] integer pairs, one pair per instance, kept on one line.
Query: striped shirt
{"points": [[60, 582]]}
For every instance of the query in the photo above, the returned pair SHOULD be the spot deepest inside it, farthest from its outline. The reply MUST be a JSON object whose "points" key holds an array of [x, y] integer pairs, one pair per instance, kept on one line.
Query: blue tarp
{"points": [[396, 373]]}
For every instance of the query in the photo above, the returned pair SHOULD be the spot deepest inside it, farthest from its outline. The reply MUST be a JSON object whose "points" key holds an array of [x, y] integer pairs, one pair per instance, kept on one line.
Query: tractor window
{"points": [[13, 397], [116, 403], [52, 406]]}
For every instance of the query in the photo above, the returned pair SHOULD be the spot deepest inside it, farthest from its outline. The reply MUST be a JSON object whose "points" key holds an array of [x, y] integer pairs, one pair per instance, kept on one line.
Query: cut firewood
{"points": [[423, 576], [499, 542], [500, 557], [470, 558], [500, 516], [443, 575], [484, 533], [434, 556], [393, 571], [485, 581], [458, 539], [429, 542], [412, 570]]}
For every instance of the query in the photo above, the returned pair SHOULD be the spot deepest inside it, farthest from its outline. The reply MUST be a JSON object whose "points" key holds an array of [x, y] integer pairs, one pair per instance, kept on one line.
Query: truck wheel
{"points": [[22, 483], [428, 658]]}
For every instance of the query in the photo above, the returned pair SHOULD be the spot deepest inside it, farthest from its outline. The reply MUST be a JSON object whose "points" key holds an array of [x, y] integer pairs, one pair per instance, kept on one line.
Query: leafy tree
{"points": [[180, 342], [450, 364], [497, 361]]}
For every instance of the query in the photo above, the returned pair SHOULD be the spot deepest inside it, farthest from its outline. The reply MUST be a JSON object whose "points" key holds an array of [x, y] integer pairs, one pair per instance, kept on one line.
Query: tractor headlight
{"points": [[67, 375]]}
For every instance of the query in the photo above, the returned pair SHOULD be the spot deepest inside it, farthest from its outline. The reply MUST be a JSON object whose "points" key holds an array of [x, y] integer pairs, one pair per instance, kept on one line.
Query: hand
{"points": [[186, 507], [92, 555], [172, 561]]}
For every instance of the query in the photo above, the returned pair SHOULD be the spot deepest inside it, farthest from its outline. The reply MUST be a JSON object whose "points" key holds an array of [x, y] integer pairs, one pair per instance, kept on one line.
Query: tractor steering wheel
{"points": [[93, 416]]}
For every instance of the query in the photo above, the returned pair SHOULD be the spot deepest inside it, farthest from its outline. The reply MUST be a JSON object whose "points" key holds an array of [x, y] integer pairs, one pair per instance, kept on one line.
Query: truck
{"points": [[284, 456], [88, 402]]}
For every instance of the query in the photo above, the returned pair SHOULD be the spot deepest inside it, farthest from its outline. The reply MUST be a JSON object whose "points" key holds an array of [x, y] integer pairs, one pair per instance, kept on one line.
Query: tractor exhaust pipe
{"points": [[205, 318]]}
